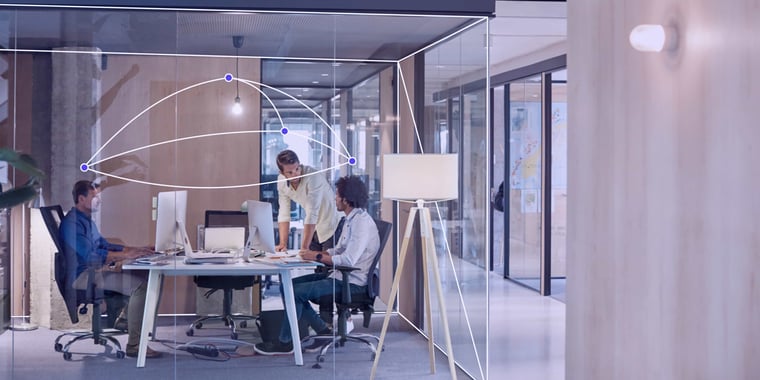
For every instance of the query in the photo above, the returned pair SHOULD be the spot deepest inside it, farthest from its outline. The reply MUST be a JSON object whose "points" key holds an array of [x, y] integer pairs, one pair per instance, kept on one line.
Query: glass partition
{"points": [[149, 101], [525, 208], [456, 99], [559, 183]]}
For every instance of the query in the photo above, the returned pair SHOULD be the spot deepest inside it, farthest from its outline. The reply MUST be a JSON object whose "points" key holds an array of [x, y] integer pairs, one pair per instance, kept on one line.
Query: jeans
{"points": [[306, 288]]}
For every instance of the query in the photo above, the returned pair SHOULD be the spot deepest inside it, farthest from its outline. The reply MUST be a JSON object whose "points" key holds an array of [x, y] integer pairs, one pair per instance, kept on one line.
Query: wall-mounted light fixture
{"points": [[237, 42], [654, 38]]}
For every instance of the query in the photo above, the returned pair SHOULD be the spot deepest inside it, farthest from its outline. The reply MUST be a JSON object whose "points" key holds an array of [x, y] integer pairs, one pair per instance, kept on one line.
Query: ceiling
{"points": [[319, 52]]}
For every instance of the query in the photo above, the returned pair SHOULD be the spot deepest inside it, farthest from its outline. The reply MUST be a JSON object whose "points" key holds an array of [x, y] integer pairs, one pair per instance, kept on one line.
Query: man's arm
{"points": [[284, 228], [283, 215], [307, 234]]}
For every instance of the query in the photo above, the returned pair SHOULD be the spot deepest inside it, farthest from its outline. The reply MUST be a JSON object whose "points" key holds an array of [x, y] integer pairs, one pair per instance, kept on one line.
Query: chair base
{"points": [[369, 340], [103, 339], [229, 321]]}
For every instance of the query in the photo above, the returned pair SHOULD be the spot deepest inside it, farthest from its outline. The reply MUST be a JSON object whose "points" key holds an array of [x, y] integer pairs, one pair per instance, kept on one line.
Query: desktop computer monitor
{"points": [[172, 206], [260, 226]]}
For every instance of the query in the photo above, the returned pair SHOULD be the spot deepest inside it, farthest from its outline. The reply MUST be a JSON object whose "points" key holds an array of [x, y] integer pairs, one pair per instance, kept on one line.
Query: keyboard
{"points": [[152, 258]]}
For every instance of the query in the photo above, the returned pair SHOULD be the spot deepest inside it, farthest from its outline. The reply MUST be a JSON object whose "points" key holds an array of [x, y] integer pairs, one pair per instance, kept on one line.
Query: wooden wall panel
{"points": [[663, 249], [208, 162]]}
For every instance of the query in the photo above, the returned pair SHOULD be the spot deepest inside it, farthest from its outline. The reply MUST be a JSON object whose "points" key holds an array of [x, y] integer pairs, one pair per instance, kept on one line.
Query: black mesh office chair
{"points": [[223, 218], [65, 274], [349, 303]]}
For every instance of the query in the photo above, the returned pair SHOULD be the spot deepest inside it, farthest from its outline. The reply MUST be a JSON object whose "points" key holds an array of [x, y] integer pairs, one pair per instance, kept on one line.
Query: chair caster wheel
{"points": [[321, 358], [120, 354], [243, 324], [189, 332], [67, 356], [199, 325], [58, 347], [316, 365], [234, 336]]}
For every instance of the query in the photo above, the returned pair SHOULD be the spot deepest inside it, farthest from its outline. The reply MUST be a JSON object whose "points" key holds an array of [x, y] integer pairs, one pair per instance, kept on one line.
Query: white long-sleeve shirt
{"points": [[317, 198], [356, 247]]}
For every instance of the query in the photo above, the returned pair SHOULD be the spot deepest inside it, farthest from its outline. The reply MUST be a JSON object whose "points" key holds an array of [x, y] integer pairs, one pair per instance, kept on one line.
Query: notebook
{"points": [[199, 257]]}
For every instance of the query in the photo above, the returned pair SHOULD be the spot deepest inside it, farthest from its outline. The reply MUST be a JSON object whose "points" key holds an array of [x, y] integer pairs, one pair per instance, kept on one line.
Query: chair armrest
{"points": [[346, 291]]}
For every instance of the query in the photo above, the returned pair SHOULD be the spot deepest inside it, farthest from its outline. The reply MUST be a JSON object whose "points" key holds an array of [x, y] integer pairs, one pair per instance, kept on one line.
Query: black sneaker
{"points": [[270, 348], [317, 344]]}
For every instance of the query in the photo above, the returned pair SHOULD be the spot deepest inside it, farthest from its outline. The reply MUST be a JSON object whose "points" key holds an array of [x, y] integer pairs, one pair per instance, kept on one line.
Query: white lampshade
{"points": [[428, 177]]}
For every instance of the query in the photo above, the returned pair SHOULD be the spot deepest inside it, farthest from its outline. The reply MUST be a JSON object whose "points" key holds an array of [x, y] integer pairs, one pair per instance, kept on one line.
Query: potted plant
{"points": [[30, 189]]}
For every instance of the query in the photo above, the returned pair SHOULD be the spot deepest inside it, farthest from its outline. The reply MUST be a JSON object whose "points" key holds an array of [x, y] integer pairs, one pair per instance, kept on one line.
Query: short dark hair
{"points": [[82, 188], [287, 157], [353, 190]]}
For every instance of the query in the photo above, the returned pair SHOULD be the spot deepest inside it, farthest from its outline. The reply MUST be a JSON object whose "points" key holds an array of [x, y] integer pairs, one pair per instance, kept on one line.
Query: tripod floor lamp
{"points": [[420, 178]]}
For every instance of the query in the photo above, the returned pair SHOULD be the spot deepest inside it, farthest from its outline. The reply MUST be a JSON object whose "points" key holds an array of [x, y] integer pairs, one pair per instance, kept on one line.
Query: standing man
{"points": [[298, 183], [357, 247], [80, 236]]}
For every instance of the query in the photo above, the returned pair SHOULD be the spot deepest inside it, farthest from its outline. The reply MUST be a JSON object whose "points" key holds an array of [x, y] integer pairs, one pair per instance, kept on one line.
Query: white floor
{"points": [[526, 330], [527, 333]]}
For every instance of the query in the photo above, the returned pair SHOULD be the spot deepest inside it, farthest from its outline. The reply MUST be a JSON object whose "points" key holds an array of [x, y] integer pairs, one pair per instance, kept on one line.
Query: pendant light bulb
{"points": [[237, 109]]}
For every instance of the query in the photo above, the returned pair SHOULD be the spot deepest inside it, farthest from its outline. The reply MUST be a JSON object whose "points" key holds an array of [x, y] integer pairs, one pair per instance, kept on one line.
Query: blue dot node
{"points": [[352, 161], [228, 77], [83, 168], [284, 131]]}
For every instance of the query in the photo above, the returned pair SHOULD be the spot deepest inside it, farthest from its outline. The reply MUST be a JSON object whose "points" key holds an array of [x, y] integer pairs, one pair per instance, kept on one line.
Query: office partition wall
{"points": [[151, 100]]}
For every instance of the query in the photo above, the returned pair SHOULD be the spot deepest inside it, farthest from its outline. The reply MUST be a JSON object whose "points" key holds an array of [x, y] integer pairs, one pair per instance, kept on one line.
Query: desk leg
{"points": [[149, 314], [290, 309]]}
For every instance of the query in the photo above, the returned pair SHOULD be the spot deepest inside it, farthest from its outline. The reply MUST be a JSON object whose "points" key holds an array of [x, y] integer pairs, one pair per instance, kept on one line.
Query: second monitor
{"points": [[260, 226]]}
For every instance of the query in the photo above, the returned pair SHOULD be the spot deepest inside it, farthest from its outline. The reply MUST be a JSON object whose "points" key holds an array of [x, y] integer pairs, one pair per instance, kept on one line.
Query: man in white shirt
{"points": [[357, 247], [311, 190]]}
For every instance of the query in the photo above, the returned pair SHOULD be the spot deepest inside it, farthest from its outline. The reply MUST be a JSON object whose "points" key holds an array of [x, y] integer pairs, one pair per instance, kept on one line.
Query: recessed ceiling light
{"points": [[315, 82], [325, 74], [305, 90]]}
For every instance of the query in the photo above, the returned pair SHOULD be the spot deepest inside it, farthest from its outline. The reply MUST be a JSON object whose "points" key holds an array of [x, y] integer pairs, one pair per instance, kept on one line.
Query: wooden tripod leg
{"points": [[425, 215], [394, 289], [426, 250]]}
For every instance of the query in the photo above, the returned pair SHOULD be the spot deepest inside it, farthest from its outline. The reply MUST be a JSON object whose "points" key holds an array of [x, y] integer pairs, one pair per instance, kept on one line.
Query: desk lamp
{"points": [[420, 178]]}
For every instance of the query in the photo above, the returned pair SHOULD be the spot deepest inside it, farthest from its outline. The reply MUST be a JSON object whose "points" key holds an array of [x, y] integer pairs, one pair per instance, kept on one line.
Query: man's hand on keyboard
{"points": [[137, 252]]}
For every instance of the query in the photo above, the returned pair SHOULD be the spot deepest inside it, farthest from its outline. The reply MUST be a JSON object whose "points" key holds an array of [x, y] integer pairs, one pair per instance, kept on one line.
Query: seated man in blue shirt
{"points": [[80, 235], [356, 247]]}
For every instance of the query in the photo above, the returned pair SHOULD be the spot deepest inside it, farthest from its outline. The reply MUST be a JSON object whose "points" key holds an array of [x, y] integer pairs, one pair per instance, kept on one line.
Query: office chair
{"points": [[349, 303], [222, 218], [65, 274]]}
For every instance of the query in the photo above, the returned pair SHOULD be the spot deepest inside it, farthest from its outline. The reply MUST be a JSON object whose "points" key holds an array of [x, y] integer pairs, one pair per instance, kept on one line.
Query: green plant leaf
{"points": [[21, 161], [17, 196]]}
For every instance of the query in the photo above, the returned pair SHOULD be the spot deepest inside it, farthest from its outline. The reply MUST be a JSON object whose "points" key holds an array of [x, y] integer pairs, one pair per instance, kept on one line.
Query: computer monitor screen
{"points": [[260, 226], [172, 206]]}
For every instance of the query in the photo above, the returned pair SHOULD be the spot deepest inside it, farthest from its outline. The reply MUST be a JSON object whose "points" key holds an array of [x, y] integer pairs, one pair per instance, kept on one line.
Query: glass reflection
{"points": [[525, 179]]}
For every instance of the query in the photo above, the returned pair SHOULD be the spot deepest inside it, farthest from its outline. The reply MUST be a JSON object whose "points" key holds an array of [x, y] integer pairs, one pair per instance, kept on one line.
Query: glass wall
{"points": [[528, 244], [525, 180], [456, 122], [559, 182], [200, 102]]}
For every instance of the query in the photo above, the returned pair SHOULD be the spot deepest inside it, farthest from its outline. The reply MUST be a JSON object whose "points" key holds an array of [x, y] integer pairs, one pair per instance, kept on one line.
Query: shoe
{"points": [[270, 348], [149, 354], [120, 324], [317, 344]]}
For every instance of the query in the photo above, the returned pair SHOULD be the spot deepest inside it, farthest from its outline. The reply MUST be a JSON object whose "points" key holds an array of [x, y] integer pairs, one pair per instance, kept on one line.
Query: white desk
{"points": [[240, 268]]}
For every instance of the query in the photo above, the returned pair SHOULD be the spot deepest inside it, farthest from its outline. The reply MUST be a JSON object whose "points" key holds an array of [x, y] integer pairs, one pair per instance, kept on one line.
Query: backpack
{"points": [[498, 200]]}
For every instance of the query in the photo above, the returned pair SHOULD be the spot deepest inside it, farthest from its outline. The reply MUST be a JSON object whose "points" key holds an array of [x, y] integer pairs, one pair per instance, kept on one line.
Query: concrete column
{"points": [[75, 130]]}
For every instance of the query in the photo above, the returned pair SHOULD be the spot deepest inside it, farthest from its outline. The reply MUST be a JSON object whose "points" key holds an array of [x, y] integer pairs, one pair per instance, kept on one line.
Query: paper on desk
{"points": [[289, 253], [284, 260]]}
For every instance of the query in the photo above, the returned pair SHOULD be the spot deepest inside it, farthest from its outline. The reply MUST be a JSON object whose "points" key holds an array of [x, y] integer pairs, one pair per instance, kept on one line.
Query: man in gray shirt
{"points": [[357, 247]]}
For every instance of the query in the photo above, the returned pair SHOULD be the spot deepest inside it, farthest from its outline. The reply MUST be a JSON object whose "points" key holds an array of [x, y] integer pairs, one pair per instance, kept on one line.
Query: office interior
{"points": [[651, 212]]}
